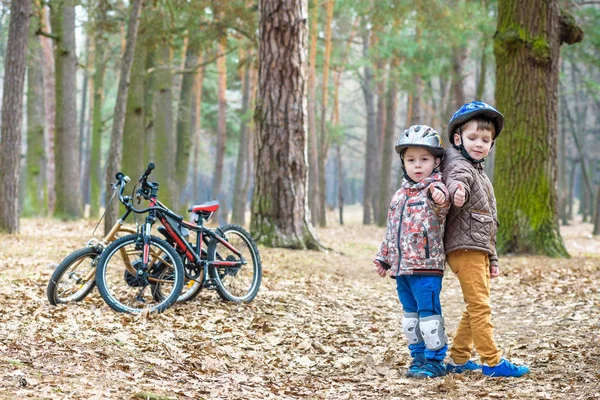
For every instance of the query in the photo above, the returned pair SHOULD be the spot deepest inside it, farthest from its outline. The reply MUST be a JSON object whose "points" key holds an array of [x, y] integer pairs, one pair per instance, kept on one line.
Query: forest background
{"points": [[373, 69], [323, 325]]}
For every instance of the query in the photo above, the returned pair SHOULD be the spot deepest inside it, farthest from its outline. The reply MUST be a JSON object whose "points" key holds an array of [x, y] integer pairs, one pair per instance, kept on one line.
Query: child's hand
{"points": [[437, 195], [460, 196], [494, 271], [382, 272]]}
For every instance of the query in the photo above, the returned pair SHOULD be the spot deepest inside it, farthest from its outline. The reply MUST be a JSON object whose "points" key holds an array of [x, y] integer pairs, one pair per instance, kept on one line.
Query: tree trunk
{"points": [[86, 129], [221, 121], [597, 214], [458, 61], [313, 157], [388, 146], [150, 87], [113, 163], [100, 43], [527, 47], [134, 133], [371, 152], [571, 190], [480, 90], [35, 195], [49, 109], [197, 128], [184, 122], [164, 135], [279, 204], [83, 138], [323, 139], [68, 191], [562, 163], [239, 197], [381, 133], [12, 114], [340, 183]]}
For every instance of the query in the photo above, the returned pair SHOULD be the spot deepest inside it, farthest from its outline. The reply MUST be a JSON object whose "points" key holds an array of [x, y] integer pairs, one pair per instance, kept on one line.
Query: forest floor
{"points": [[324, 326]]}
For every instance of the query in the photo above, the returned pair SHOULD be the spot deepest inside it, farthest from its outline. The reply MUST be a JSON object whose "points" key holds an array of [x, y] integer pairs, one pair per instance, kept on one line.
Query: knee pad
{"points": [[410, 325], [433, 332]]}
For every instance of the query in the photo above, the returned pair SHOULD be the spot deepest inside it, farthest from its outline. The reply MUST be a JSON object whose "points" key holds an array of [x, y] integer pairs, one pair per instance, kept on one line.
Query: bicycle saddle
{"points": [[208, 207]]}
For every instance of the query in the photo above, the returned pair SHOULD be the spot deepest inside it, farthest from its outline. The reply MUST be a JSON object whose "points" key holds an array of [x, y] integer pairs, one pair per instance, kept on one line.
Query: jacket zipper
{"points": [[426, 244], [400, 231]]}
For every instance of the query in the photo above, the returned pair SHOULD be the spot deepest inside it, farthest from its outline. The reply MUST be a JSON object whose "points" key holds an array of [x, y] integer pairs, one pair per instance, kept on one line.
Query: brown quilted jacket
{"points": [[474, 225]]}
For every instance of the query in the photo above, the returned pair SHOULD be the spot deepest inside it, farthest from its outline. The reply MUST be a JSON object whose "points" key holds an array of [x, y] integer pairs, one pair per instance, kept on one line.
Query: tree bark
{"points": [[371, 152], [239, 202], [388, 145], [480, 89], [323, 139], [381, 133], [164, 134], [563, 186], [68, 192], [35, 196], [313, 157], [197, 127], [12, 115], [82, 114], [113, 163], [221, 122], [279, 204], [134, 132], [184, 122], [527, 47], [96, 177], [597, 214], [49, 109]]}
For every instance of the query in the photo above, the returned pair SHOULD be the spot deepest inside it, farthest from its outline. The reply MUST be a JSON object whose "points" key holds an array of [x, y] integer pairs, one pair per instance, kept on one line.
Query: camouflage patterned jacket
{"points": [[414, 238]]}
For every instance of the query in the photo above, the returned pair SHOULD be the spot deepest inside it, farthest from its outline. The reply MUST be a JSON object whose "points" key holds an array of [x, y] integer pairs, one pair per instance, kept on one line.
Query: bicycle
{"points": [[222, 266], [75, 277]]}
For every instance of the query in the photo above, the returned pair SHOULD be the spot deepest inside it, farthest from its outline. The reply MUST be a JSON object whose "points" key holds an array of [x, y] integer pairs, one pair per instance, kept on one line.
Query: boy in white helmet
{"points": [[413, 248]]}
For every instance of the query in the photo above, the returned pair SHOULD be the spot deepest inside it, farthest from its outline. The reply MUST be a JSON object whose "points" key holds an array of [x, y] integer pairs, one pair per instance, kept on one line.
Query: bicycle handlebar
{"points": [[147, 173], [122, 180]]}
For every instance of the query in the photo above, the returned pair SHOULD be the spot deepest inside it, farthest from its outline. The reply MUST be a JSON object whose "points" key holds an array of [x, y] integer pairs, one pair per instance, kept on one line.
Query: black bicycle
{"points": [[141, 271]]}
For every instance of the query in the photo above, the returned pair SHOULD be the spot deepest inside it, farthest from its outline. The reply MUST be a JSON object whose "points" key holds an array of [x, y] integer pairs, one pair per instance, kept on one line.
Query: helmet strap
{"points": [[405, 174]]}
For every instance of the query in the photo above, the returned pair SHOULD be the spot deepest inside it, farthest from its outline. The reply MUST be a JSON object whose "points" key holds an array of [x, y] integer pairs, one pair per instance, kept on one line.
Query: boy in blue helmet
{"points": [[470, 238], [413, 249]]}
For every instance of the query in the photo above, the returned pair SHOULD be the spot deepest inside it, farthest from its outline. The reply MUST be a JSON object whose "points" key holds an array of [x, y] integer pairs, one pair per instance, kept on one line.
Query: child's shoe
{"points": [[460, 368], [505, 368], [415, 365], [431, 369]]}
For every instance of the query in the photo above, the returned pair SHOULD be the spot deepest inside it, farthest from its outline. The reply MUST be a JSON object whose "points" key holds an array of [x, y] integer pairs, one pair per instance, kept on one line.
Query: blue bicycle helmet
{"points": [[469, 111]]}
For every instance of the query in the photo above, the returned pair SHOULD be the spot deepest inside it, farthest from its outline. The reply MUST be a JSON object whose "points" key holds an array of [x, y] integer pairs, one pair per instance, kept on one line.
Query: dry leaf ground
{"points": [[324, 326]]}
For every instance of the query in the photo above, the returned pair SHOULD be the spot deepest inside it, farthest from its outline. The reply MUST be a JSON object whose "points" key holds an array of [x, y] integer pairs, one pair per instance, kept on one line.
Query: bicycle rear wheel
{"points": [[240, 280], [126, 287], [74, 278]]}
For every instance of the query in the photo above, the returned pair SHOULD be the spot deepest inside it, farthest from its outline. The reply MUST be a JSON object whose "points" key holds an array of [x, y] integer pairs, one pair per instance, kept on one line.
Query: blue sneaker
{"points": [[460, 368], [431, 369], [505, 368], [415, 365]]}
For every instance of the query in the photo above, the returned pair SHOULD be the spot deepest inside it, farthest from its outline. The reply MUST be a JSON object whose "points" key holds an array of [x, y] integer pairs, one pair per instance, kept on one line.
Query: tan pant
{"points": [[475, 328]]}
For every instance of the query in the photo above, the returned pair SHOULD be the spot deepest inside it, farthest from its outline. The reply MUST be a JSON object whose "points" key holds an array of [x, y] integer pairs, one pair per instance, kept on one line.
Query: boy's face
{"points": [[477, 142], [419, 163]]}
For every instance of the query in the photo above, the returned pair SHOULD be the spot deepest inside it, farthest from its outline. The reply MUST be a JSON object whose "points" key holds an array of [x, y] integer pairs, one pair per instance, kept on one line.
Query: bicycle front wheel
{"points": [[124, 283], [238, 277], [74, 278]]}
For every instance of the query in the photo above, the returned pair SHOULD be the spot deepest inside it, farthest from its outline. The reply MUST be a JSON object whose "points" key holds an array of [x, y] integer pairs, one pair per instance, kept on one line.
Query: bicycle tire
{"points": [[239, 283], [117, 290], [66, 274]]}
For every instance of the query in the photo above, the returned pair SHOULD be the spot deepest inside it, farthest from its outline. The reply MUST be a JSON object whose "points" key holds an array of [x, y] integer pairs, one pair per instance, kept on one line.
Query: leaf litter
{"points": [[324, 326]]}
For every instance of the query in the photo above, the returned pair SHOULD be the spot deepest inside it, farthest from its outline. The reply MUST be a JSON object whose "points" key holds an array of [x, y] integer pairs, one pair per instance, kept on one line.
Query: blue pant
{"points": [[421, 294]]}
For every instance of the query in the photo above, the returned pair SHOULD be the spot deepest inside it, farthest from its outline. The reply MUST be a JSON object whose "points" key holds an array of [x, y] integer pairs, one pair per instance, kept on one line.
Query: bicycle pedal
{"points": [[210, 284]]}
